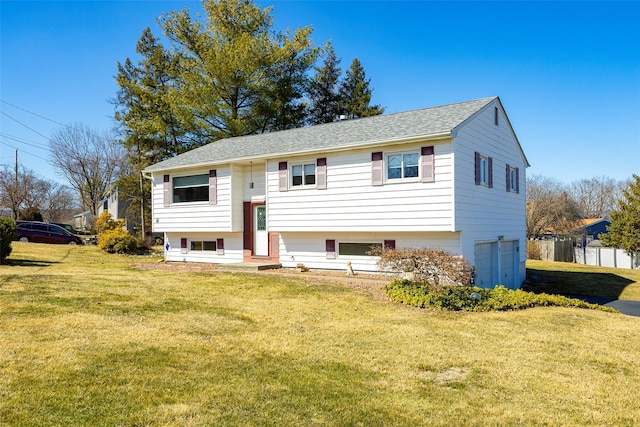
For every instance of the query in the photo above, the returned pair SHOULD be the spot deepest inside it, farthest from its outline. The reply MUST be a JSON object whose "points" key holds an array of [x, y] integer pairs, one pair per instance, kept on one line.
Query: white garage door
{"points": [[486, 264], [507, 264]]}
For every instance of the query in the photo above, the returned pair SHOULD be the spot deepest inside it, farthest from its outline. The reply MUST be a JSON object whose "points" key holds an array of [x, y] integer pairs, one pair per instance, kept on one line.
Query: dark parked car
{"points": [[40, 232]]}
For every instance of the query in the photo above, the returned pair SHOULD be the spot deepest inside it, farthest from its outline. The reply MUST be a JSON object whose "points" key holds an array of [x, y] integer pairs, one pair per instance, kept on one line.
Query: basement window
{"points": [[356, 249], [204, 246]]}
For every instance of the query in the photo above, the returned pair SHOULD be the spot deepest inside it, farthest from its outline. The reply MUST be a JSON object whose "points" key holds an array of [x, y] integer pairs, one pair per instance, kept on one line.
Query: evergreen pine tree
{"points": [[355, 93], [624, 230], [323, 90]]}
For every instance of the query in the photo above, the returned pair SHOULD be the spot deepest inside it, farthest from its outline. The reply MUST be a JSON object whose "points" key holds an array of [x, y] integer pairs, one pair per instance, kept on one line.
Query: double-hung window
{"points": [[403, 165], [302, 175], [193, 188], [512, 179], [484, 170]]}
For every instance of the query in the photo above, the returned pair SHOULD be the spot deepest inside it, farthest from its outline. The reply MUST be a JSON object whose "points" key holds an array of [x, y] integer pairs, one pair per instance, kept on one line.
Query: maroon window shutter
{"points": [[427, 159], [389, 245], [183, 245], [213, 187], [321, 173], [283, 176], [246, 234], [518, 180], [167, 191], [490, 167], [477, 168], [220, 246], [331, 249], [508, 180], [376, 168]]}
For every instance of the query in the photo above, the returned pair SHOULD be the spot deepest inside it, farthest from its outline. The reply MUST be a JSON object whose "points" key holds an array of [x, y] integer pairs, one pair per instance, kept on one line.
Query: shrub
{"points": [[473, 298], [436, 265], [7, 230], [105, 222], [118, 241]]}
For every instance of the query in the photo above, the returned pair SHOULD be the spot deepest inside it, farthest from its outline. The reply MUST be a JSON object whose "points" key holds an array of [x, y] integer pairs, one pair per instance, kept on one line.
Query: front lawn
{"points": [[88, 339], [578, 279]]}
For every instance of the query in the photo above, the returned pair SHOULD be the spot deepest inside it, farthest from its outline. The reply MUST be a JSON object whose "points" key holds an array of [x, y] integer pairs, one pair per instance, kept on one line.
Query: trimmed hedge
{"points": [[473, 298], [7, 231]]}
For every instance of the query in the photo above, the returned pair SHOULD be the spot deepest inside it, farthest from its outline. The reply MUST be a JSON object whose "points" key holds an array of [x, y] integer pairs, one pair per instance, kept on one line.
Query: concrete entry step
{"points": [[249, 266]]}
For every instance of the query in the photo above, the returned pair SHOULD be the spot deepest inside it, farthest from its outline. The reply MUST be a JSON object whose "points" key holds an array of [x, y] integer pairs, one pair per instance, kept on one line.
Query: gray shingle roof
{"points": [[327, 137]]}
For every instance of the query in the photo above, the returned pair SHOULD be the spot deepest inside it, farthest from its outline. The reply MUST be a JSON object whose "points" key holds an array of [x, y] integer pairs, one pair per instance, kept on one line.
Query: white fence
{"points": [[607, 257]]}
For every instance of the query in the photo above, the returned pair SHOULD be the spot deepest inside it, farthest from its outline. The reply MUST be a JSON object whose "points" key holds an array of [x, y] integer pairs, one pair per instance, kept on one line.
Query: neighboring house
{"points": [[590, 229], [82, 221], [450, 177], [117, 207]]}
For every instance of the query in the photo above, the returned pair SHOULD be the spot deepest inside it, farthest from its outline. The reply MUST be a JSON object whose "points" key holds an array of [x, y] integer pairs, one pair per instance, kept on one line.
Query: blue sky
{"points": [[568, 73]]}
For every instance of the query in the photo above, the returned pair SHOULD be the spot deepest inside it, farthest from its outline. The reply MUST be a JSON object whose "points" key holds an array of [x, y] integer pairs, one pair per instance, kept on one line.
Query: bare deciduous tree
{"points": [[550, 209], [595, 197], [89, 161], [16, 192], [58, 203], [30, 193]]}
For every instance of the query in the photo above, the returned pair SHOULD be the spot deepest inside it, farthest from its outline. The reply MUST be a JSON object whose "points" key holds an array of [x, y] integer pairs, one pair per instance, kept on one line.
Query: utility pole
{"points": [[15, 188], [143, 236]]}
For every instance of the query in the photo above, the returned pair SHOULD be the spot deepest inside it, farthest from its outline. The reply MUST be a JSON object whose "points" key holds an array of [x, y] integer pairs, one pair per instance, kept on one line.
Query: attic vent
{"points": [[495, 116]]}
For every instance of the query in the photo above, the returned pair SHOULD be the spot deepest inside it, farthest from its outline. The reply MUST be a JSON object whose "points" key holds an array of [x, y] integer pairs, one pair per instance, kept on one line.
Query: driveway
{"points": [[630, 308]]}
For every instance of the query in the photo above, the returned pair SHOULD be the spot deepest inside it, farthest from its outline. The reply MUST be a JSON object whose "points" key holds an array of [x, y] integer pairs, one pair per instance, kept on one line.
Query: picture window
{"points": [[194, 188]]}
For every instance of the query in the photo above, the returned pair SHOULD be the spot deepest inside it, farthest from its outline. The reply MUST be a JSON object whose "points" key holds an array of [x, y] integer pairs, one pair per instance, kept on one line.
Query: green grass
{"points": [[87, 339], [578, 279]]}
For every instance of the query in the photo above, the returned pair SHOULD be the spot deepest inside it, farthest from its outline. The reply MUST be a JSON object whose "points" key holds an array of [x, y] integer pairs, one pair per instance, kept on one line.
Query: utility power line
{"points": [[24, 151], [31, 112], [19, 122], [25, 141]]}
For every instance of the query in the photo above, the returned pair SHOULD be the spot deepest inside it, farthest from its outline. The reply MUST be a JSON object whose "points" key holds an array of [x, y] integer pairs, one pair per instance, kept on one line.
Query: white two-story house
{"points": [[450, 177]]}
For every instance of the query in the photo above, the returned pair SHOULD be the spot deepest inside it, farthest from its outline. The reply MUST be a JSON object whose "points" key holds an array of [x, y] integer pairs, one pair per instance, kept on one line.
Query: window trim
{"points": [[303, 165], [512, 179], [484, 170], [205, 185], [194, 243], [403, 178], [485, 179], [349, 242]]}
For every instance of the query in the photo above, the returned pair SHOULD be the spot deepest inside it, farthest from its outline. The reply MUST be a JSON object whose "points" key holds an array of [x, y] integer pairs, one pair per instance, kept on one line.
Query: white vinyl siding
{"points": [[232, 252], [195, 215], [484, 214], [310, 249], [351, 203]]}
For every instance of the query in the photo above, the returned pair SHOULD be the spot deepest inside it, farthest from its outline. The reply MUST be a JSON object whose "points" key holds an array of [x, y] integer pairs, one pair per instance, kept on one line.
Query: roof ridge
{"points": [[429, 121]]}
